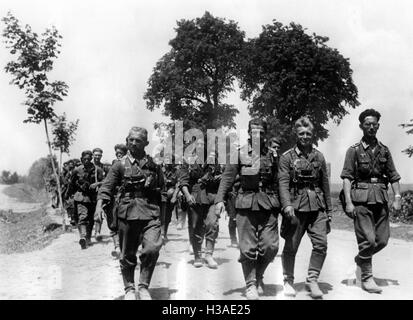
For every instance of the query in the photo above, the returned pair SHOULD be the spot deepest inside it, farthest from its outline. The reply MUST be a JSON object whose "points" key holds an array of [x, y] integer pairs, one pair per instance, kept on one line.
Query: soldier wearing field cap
{"points": [[257, 207], [306, 203], [368, 169], [140, 181]]}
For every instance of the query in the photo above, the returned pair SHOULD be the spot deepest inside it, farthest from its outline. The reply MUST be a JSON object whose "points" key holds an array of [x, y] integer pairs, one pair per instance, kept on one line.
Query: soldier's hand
{"points": [[289, 212], [350, 210], [397, 204], [173, 199], [99, 213], [191, 200], [328, 224], [93, 186], [219, 208]]}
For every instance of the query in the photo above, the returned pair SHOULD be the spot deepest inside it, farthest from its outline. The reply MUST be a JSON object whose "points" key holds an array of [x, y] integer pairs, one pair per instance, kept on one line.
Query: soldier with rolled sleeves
{"points": [[83, 185], [368, 169], [257, 207], [140, 181], [199, 184], [306, 203]]}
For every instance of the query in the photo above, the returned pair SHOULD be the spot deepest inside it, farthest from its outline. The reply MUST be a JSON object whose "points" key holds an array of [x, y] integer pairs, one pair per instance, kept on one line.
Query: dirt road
{"points": [[63, 271]]}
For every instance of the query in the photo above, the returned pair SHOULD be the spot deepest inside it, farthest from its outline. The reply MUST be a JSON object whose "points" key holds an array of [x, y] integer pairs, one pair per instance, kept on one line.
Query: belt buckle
{"points": [[374, 180]]}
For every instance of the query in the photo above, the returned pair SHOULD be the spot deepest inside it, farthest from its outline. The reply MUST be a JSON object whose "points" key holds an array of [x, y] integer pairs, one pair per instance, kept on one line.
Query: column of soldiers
{"points": [[138, 197]]}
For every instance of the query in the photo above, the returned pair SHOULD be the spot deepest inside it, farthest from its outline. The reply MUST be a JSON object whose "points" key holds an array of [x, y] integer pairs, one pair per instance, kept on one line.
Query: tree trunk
{"points": [[59, 190]]}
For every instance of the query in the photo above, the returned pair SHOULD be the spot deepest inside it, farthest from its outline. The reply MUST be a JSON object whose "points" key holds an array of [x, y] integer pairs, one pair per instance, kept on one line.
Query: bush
{"points": [[406, 213]]}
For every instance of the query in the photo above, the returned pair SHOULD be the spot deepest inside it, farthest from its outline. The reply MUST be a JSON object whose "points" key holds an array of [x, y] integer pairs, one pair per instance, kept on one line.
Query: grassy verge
{"points": [[22, 232], [25, 193]]}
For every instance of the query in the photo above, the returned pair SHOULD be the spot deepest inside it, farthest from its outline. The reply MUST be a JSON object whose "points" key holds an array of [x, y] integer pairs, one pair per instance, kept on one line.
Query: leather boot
{"points": [[116, 250], [249, 271], [98, 227], [128, 277], [147, 268], [288, 263], [82, 236], [261, 267], [367, 282], [197, 247], [210, 261], [314, 269]]}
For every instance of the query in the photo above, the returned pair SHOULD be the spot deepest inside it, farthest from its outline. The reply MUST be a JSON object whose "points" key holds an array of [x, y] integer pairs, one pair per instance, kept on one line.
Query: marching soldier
{"points": [[97, 157], [306, 203], [83, 185], [140, 181], [169, 196], [199, 184], [257, 207], [69, 203], [368, 169]]}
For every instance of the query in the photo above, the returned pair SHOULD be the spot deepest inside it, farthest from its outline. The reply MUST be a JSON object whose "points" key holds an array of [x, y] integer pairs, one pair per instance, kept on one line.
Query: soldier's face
{"points": [[87, 159], [70, 166], [97, 155], [136, 142], [119, 154], [304, 136], [274, 147], [370, 127]]}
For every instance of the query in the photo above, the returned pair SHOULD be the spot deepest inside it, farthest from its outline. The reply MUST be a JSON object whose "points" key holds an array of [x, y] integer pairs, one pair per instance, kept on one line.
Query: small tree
{"points": [[34, 60], [409, 127], [63, 135]]}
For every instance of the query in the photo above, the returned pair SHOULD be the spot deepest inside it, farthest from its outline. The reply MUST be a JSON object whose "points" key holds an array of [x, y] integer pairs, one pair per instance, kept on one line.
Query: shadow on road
{"points": [[324, 287], [380, 282], [156, 294]]}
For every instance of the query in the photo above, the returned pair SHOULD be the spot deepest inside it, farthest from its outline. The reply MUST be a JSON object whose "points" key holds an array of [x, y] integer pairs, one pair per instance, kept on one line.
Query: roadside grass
{"points": [[25, 193], [29, 231]]}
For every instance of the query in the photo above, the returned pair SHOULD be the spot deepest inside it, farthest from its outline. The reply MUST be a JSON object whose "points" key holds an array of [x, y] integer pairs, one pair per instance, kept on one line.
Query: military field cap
{"points": [[369, 113], [277, 140], [140, 131]]}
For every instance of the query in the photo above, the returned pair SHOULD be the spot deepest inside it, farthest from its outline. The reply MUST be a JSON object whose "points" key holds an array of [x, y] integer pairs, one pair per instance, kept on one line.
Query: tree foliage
{"points": [[192, 79], [41, 173], [9, 178], [409, 127], [287, 73], [64, 132], [34, 59]]}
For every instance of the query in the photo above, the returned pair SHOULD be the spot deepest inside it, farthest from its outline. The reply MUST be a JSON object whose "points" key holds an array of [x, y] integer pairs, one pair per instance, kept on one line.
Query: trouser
{"points": [[372, 228], [315, 223], [258, 241], [71, 211], [205, 225], [133, 233], [232, 221], [86, 211], [166, 215]]}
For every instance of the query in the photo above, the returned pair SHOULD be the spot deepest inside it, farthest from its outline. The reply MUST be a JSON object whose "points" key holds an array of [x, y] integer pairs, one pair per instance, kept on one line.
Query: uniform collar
{"points": [[299, 153], [132, 159], [365, 144]]}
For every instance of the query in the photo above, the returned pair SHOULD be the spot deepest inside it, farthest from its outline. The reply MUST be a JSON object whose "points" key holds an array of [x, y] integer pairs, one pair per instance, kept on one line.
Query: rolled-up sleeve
{"points": [[391, 170], [325, 184], [284, 180], [182, 176], [349, 169], [112, 180]]}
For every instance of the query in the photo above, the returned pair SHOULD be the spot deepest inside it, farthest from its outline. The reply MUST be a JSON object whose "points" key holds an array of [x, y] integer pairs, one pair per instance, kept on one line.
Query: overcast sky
{"points": [[110, 47]]}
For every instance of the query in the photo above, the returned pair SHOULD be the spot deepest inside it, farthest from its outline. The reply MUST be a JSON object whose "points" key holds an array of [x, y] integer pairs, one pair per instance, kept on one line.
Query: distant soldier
{"points": [[257, 207], [199, 184], [140, 181], [169, 197], [69, 203], [120, 152], [97, 157], [306, 204], [368, 169], [85, 180]]}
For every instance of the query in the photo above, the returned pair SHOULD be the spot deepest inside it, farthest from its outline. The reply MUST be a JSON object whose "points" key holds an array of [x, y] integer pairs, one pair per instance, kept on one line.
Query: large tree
{"points": [[191, 81], [287, 73], [34, 60], [409, 127]]}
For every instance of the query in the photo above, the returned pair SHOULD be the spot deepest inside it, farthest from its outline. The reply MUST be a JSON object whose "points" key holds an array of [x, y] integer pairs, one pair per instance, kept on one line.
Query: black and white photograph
{"points": [[209, 150]]}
